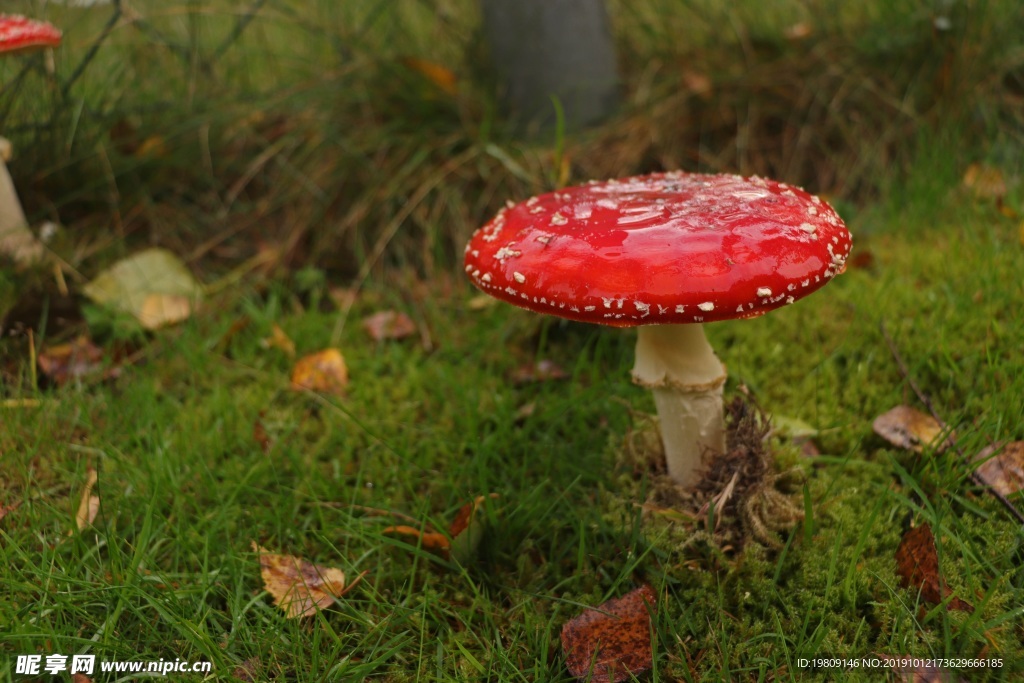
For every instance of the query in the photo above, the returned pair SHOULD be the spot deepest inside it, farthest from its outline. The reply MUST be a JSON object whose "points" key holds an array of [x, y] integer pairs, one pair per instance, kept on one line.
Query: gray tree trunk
{"points": [[544, 49]]}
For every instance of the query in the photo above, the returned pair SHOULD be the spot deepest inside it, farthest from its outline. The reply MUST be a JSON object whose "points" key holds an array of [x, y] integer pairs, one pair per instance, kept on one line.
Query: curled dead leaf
{"points": [[74, 360], [298, 587], [7, 509], [908, 428], [389, 325], [433, 541], [925, 674], [89, 505], [542, 371], [986, 182], [482, 301], [612, 641], [324, 371], [917, 563], [1002, 467], [279, 340], [259, 433], [442, 77], [463, 537]]}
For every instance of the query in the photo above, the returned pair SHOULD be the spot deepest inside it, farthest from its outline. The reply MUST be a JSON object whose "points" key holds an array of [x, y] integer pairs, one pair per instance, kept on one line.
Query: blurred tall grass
{"points": [[364, 134]]}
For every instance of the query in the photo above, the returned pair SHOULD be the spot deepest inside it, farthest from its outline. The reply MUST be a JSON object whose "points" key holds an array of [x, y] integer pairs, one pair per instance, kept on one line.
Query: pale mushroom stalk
{"points": [[682, 371], [16, 240]]}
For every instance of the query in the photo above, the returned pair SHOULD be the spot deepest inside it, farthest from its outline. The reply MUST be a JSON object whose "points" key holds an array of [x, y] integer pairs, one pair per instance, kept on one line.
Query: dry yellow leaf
{"points": [[279, 340], [908, 428], [160, 310], [1002, 467], [443, 77], [89, 506], [153, 285], [298, 587], [986, 182], [481, 301], [324, 372]]}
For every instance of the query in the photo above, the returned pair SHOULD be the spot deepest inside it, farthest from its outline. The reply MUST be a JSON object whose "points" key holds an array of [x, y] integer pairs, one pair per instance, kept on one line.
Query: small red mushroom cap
{"points": [[665, 248], [21, 33]]}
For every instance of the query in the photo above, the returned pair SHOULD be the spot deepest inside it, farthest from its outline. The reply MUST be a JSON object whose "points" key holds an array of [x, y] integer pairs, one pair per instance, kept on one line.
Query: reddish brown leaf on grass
{"points": [[80, 678], [259, 434], [917, 563], [299, 587], [249, 670], [1002, 467], [70, 361], [612, 641], [324, 372], [541, 371], [5, 509], [862, 259], [389, 325], [908, 428]]}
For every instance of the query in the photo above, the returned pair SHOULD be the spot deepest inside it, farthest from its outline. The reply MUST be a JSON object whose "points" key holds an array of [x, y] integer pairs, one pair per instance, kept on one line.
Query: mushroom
{"points": [[667, 252], [18, 34]]}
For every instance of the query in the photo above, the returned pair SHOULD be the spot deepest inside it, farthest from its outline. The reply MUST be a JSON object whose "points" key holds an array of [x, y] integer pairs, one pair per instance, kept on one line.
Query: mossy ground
{"points": [[167, 571]]}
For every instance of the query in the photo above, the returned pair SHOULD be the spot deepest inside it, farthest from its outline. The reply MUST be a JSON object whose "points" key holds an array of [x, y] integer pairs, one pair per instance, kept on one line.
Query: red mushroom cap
{"points": [[665, 248], [20, 33]]}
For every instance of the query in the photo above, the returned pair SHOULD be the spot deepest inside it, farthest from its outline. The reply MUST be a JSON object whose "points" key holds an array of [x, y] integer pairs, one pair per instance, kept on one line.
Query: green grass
{"points": [[167, 570]]}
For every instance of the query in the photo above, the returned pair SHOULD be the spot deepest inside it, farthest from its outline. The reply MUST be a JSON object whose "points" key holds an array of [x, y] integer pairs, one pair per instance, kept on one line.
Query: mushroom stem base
{"points": [[691, 426], [678, 365], [16, 240]]}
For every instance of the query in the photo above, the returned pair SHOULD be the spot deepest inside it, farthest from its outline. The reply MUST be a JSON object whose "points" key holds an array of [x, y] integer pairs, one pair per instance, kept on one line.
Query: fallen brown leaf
{"points": [[279, 340], [65, 362], [798, 31], [986, 182], [248, 671], [613, 641], [324, 372], [161, 310], [906, 427], [464, 533], [89, 506], [482, 301], [298, 587], [433, 541], [917, 563], [389, 325], [259, 433], [541, 371], [80, 678], [6, 509], [927, 674], [1002, 467], [343, 297], [442, 77]]}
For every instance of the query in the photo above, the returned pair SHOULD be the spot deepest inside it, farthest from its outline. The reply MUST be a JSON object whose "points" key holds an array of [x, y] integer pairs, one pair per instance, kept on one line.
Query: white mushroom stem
{"points": [[16, 240], [678, 365]]}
